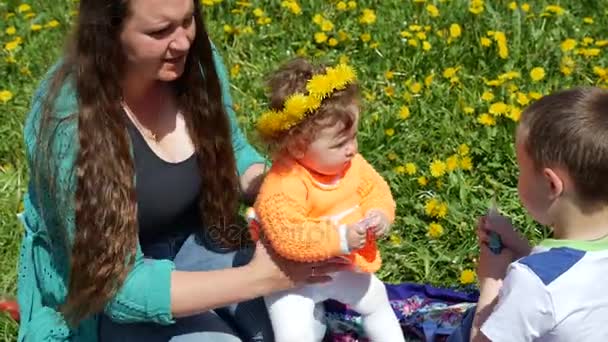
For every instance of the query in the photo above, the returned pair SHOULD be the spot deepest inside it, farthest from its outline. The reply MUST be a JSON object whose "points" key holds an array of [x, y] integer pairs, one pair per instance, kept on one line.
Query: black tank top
{"points": [[167, 193]]}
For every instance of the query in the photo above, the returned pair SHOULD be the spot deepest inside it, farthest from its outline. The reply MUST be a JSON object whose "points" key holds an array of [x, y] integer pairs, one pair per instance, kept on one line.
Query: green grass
{"points": [[438, 123]]}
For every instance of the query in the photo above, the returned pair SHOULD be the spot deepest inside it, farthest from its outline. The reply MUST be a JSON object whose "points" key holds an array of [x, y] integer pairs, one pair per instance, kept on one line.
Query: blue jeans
{"points": [[243, 322], [463, 332]]}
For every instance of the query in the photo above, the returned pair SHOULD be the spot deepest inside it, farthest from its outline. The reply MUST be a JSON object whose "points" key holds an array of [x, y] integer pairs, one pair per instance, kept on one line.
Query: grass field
{"points": [[444, 83]]}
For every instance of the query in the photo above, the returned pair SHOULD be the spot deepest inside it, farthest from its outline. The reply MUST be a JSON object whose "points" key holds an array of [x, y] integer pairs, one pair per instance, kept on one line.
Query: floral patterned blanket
{"points": [[426, 313]]}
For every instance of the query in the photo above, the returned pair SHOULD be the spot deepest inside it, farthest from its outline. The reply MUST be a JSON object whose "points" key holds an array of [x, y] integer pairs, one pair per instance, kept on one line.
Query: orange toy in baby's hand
{"points": [[11, 307]]}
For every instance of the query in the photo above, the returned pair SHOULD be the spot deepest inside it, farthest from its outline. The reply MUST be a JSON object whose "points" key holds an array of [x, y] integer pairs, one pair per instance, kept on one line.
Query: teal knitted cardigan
{"points": [[49, 217]]}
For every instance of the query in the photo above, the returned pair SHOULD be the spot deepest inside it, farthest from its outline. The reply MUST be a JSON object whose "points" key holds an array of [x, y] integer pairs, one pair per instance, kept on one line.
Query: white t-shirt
{"points": [[559, 293]]}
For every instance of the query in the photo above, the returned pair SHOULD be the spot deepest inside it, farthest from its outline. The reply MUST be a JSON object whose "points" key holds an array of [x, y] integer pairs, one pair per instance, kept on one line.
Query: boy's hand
{"points": [[492, 266], [356, 236], [378, 222], [501, 225]]}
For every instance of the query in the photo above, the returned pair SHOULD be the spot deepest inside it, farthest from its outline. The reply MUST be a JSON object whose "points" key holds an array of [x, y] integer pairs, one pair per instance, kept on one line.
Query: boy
{"points": [[555, 291]]}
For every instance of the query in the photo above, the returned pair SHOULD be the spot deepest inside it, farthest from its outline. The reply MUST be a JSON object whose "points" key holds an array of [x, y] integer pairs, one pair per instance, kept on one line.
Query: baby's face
{"points": [[332, 150]]}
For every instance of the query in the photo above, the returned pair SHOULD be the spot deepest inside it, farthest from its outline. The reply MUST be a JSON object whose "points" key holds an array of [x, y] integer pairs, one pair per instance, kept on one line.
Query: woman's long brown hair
{"points": [[105, 237]]}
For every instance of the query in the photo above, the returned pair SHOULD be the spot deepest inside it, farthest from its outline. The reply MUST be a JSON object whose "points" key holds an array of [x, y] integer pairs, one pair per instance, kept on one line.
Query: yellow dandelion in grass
{"points": [[430, 206], [501, 41], [513, 5], [451, 163], [5, 96], [352, 5], [486, 120], [467, 277], [395, 239], [332, 42], [11, 30], [438, 168], [317, 19], [429, 80], [392, 156], [422, 181], [368, 17], [535, 95], [399, 169], [415, 87], [258, 12], [13, 44], [555, 9], [485, 41], [389, 132], [426, 46], [466, 163], [514, 114], [522, 99], [326, 25], [463, 149], [320, 37], [435, 230], [342, 36], [421, 36], [510, 75], [432, 10], [450, 72], [537, 74], [601, 43], [411, 168], [568, 45], [567, 65], [476, 6], [468, 110], [487, 96], [588, 20], [498, 108], [389, 91], [587, 41], [366, 37], [341, 6], [389, 75], [293, 6], [404, 112], [412, 42], [235, 70], [24, 8], [455, 31]]}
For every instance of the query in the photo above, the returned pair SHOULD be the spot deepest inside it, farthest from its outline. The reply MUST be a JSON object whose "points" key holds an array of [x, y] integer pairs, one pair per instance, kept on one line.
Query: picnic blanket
{"points": [[426, 313]]}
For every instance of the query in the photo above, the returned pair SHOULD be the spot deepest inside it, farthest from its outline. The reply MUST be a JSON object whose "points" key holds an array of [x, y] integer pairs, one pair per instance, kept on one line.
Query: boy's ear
{"points": [[555, 182]]}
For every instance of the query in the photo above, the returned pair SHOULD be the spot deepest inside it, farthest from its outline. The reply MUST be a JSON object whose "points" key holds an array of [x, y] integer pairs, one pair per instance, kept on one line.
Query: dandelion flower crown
{"points": [[298, 105]]}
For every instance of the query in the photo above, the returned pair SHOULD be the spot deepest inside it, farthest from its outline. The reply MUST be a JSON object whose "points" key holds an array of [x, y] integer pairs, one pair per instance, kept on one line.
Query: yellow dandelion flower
{"points": [[463, 149], [352, 5], [415, 87], [389, 132], [487, 96], [428, 80], [332, 42], [235, 70], [411, 168], [368, 17], [486, 120], [421, 36], [435, 230], [568, 45], [537, 74], [392, 156], [258, 12], [11, 30], [450, 72], [485, 41], [5, 96], [412, 42], [422, 181], [525, 7], [498, 108], [430, 206], [395, 239], [555, 9], [342, 36], [468, 110], [341, 6], [389, 91], [389, 75], [466, 163], [501, 41], [515, 114], [399, 169], [326, 25], [522, 99], [513, 5], [317, 19], [437, 168], [455, 31], [366, 37], [451, 163], [320, 37], [601, 43], [467, 277], [432, 10], [24, 8], [404, 112], [535, 95], [426, 46]]}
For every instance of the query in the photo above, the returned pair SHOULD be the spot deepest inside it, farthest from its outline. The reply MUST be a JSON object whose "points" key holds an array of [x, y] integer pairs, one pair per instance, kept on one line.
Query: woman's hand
{"points": [[280, 274]]}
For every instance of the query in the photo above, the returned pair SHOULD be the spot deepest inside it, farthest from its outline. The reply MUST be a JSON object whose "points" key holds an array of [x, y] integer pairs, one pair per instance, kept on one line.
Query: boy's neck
{"points": [[570, 223]]}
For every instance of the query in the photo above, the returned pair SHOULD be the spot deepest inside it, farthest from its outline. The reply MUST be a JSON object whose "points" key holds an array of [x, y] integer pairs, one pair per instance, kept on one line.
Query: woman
{"points": [[133, 150]]}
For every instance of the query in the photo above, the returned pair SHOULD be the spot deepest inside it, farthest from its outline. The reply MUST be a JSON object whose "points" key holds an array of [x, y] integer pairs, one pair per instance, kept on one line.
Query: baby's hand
{"points": [[356, 236], [378, 222]]}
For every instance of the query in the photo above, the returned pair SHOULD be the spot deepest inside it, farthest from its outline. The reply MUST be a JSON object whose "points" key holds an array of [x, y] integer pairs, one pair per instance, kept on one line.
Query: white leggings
{"points": [[296, 317]]}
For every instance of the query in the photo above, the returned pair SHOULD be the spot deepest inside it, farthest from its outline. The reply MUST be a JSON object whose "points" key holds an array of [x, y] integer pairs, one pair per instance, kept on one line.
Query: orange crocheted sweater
{"points": [[300, 212]]}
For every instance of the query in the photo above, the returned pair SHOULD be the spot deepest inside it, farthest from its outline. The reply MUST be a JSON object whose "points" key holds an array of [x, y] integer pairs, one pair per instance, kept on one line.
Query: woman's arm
{"points": [[250, 164]]}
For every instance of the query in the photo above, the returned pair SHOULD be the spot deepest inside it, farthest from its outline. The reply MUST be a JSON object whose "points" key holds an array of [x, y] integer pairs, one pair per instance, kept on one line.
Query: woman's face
{"points": [[156, 38]]}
